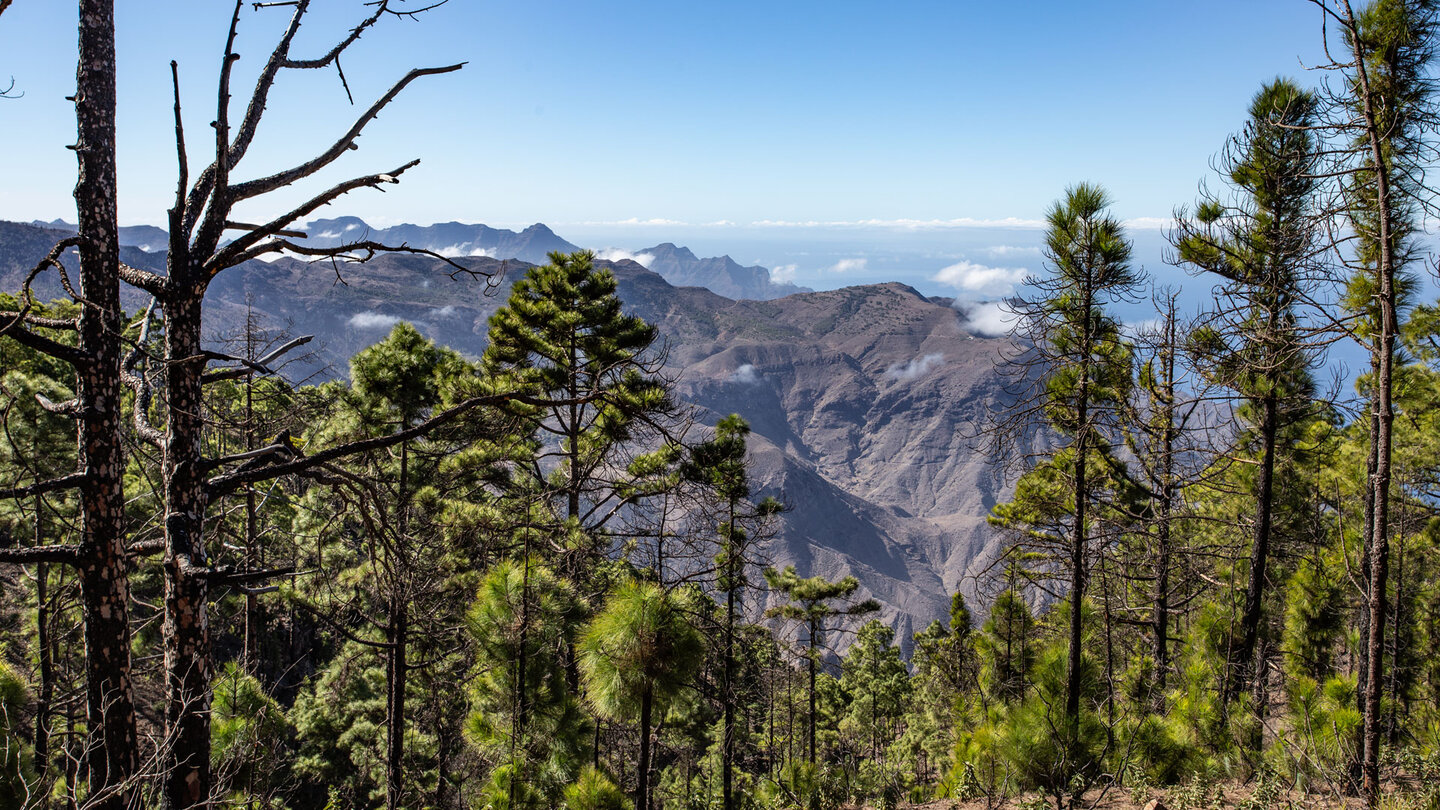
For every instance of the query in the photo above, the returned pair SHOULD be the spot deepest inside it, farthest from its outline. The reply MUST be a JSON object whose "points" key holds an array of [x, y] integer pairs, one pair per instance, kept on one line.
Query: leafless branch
{"points": [[252, 188], [223, 485], [71, 481], [260, 366], [41, 554]]}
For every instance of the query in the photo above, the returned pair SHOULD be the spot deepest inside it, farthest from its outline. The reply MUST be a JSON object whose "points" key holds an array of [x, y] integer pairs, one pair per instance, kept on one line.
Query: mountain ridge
{"points": [[533, 245], [859, 399]]}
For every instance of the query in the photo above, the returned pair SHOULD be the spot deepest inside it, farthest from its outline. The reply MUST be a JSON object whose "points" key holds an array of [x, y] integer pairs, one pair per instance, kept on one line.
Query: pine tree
{"points": [[1261, 247], [636, 656], [1083, 365], [542, 740], [719, 465], [562, 335], [812, 604], [878, 683], [1388, 109]]}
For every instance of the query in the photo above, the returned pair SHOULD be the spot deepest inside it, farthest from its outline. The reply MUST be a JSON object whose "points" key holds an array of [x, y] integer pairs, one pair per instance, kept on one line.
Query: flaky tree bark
{"points": [[110, 751], [111, 757]]}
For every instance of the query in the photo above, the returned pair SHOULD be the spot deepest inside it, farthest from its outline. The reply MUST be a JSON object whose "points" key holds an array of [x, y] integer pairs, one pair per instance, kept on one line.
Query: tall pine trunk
{"points": [[642, 776], [395, 679], [1259, 552], [111, 750], [187, 624]]}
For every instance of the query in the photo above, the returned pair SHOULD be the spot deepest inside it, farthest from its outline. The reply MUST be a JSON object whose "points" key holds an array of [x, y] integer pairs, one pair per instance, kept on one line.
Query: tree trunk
{"points": [[727, 750], [111, 750], [811, 661], [1380, 439], [1163, 517], [43, 646], [1259, 549], [187, 623], [1077, 573], [642, 777], [395, 702]]}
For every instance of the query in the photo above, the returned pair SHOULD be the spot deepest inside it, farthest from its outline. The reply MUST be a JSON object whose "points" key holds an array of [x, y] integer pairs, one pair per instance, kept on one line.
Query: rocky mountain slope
{"points": [[861, 399]]}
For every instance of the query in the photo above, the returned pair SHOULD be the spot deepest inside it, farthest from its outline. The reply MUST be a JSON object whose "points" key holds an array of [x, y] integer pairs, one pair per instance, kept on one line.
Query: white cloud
{"points": [[999, 251], [618, 255], [1149, 223], [1149, 326], [915, 368], [464, 249], [848, 265], [447, 311], [784, 274], [980, 280], [988, 318], [328, 235], [746, 374], [905, 224], [632, 221], [352, 227], [372, 320]]}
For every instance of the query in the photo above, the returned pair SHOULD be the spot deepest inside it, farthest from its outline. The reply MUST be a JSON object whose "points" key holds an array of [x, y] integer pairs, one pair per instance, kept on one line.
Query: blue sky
{"points": [[583, 112], [837, 142]]}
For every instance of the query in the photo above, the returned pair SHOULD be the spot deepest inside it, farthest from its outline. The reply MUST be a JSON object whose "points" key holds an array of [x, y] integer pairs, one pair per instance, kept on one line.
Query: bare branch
{"points": [[276, 449], [245, 226], [71, 481], [177, 212], [252, 188], [240, 250], [222, 485], [133, 374], [361, 252], [44, 345], [70, 407], [69, 555], [144, 279], [260, 366]]}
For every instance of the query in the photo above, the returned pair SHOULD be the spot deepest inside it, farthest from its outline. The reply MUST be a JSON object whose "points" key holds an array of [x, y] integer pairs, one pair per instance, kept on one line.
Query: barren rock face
{"points": [[864, 404]]}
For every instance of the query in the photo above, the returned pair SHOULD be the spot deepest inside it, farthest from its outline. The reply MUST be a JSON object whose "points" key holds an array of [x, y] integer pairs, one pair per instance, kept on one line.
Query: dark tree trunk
{"points": [[727, 751], [1259, 549], [187, 622], [395, 703], [811, 662], [1164, 513], [1077, 547], [47, 665], [642, 776], [111, 750], [1380, 438], [398, 635]]}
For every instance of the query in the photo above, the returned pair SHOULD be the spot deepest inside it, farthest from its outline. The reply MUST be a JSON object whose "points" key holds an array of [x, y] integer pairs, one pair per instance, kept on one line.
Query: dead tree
{"points": [[203, 244]]}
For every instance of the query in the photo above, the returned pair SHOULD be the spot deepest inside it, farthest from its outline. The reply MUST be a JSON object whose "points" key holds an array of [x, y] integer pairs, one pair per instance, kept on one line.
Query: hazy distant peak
{"points": [[673, 252], [719, 274]]}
